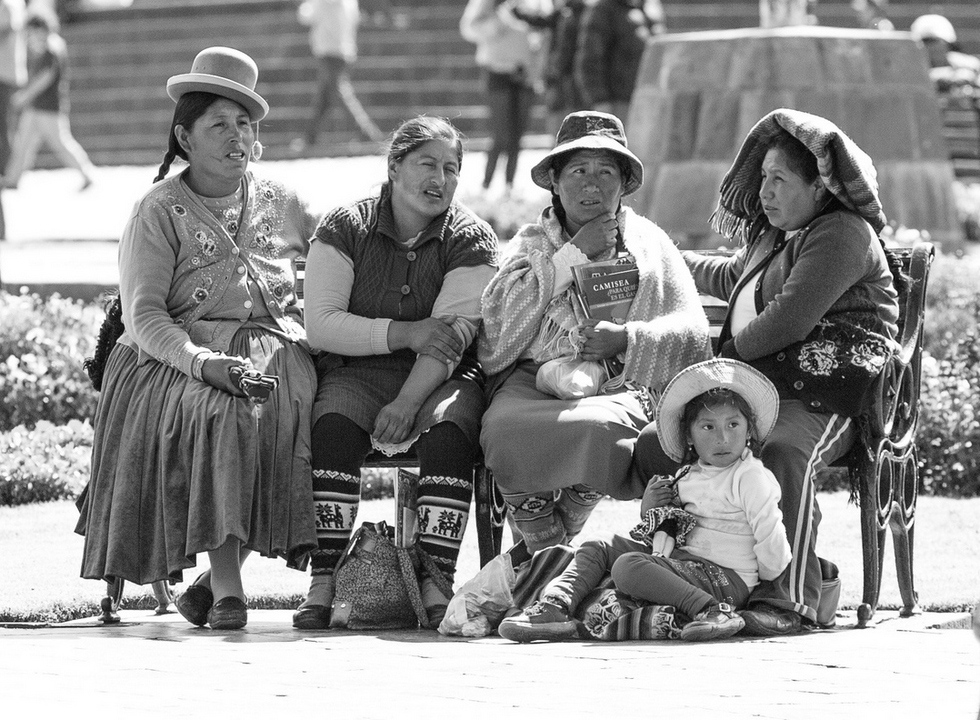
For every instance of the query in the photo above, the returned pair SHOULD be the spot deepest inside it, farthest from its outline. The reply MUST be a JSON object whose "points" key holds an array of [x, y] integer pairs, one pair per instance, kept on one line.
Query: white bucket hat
{"points": [[933, 26], [226, 72], [697, 379]]}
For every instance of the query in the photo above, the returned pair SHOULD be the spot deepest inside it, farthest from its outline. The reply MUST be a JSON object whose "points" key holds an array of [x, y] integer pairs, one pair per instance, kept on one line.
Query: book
{"points": [[605, 288]]}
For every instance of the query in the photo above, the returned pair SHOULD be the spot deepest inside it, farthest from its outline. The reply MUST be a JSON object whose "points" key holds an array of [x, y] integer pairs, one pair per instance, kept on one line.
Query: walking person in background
{"points": [[508, 51], [561, 93], [952, 72], [333, 41], [43, 106], [611, 40], [13, 74]]}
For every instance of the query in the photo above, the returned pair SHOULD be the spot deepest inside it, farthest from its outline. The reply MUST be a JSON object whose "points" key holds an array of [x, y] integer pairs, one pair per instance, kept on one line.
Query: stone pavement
{"points": [[160, 667]]}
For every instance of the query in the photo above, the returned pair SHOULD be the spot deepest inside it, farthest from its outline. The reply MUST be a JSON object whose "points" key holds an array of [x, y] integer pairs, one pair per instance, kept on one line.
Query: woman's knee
{"points": [[625, 568]]}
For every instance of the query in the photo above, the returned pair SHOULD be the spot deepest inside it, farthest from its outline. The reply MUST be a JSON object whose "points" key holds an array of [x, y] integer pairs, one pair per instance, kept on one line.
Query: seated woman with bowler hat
{"points": [[555, 458], [202, 429], [813, 304]]}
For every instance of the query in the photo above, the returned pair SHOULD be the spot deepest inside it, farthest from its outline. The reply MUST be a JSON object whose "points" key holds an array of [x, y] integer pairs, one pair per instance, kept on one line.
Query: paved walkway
{"points": [[160, 667]]}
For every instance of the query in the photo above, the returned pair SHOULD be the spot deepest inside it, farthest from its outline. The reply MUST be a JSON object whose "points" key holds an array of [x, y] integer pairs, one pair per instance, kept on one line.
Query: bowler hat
{"points": [[590, 130], [754, 387], [226, 72]]}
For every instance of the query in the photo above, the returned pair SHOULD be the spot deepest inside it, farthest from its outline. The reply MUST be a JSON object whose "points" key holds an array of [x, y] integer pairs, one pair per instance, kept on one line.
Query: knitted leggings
{"points": [[445, 489]]}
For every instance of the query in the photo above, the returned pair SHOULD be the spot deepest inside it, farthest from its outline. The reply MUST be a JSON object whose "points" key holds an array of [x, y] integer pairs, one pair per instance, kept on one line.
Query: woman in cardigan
{"points": [[802, 200], [392, 291], [183, 461], [552, 458]]}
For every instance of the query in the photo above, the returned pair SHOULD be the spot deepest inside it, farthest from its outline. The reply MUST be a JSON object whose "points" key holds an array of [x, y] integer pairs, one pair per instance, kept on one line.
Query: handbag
{"points": [[570, 378], [377, 583], [835, 367]]}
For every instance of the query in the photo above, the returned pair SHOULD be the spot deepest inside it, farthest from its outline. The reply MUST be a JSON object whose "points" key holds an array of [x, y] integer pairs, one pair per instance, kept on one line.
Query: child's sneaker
{"points": [[715, 623], [544, 620]]}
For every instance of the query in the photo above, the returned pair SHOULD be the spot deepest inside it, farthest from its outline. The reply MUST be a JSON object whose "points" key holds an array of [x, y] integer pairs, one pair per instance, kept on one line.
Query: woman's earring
{"points": [[257, 150]]}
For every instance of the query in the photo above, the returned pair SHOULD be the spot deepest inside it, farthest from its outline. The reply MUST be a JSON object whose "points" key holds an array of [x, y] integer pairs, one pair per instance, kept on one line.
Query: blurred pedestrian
{"points": [[333, 41], [611, 40], [951, 71], [13, 74], [508, 50], [561, 92], [43, 105]]}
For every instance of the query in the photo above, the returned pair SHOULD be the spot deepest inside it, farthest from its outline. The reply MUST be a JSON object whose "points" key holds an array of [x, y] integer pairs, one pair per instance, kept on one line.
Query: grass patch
{"points": [[42, 558]]}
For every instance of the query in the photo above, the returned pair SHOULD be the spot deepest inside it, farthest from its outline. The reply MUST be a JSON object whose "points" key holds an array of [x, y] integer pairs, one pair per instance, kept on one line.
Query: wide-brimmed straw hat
{"points": [[590, 130], [226, 72], [697, 379]]}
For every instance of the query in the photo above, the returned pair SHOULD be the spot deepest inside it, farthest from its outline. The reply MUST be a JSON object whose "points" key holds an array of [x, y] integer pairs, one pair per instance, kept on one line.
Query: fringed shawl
{"points": [[845, 169], [666, 326]]}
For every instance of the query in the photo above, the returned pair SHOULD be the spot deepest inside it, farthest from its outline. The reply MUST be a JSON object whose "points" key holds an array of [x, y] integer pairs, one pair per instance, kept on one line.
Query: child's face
{"points": [[719, 434]]}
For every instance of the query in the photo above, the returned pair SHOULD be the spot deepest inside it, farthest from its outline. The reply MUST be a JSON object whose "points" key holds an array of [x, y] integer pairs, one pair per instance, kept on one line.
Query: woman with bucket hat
{"points": [[202, 430], [712, 416], [555, 458]]}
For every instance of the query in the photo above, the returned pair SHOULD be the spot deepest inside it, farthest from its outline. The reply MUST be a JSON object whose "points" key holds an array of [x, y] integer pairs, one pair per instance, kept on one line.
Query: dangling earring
{"points": [[257, 150]]}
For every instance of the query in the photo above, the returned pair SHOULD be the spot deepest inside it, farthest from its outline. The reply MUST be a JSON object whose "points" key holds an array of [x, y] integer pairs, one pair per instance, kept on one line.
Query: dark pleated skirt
{"points": [[179, 467]]}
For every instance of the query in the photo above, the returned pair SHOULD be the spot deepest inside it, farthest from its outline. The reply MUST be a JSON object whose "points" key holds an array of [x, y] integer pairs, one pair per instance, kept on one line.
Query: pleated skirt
{"points": [[535, 442], [179, 467]]}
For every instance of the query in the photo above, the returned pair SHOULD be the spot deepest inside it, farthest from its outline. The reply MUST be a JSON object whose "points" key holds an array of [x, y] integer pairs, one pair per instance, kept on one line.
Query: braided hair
{"points": [[112, 327]]}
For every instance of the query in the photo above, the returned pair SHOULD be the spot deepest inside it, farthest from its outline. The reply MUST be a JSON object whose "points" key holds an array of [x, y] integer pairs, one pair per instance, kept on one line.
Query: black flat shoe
{"points": [[229, 613], [194, 603], [312, 617], [768, 621]]}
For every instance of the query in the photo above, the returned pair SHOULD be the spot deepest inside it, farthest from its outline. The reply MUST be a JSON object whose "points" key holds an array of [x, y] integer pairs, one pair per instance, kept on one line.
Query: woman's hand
{"points": [[659, 492], [394, 422], [603, 339], [215, 373], [597, 236], [432, 336]]}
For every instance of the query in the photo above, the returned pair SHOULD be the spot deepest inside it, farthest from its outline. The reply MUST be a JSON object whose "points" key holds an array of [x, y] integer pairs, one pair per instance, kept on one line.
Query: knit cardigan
{"points": [[666, 327]]}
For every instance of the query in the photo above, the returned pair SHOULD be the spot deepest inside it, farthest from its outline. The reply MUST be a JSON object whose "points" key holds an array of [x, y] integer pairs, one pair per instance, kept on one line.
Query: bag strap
{"points": [[411, 579]]}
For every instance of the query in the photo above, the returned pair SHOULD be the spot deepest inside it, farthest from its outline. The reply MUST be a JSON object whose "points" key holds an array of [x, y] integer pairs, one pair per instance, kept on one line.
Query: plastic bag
{"points": [[570, 378], [480, 604]]}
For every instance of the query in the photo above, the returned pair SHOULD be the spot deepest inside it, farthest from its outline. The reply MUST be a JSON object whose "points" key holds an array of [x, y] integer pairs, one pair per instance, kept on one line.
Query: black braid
{"points": [[112, 328], [168, 159]]}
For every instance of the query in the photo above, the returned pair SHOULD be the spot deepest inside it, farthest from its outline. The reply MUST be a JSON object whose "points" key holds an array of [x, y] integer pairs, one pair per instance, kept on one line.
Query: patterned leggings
{"points": [[446, 460]]}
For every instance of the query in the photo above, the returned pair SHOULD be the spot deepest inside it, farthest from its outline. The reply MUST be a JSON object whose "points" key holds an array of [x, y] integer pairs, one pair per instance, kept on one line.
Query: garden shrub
{"points": [[43, 344], [47, 462]]}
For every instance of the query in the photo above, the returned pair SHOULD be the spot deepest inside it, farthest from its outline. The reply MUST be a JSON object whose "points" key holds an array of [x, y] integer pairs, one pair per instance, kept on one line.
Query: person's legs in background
{"points": [[339, 448], [37, 127], [6, 93], [328, 70], [521, 102], [498, 107]]}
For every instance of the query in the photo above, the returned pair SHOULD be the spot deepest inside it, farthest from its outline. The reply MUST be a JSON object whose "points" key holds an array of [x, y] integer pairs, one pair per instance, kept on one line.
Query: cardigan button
{"points": [[798, 385], [406, 289], [248, 303], [815, 403], [781, 356], [411, 255]]}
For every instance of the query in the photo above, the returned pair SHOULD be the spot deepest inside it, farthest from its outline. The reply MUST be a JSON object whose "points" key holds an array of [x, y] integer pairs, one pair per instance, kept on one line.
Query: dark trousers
{"points": [[6, 126], [509, 101], [333, 87]]}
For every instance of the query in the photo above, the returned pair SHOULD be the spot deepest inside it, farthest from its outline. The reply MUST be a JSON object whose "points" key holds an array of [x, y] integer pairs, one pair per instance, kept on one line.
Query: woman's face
{"points": [[589, 185], [423, 182], [218, 147], [789, 201]]}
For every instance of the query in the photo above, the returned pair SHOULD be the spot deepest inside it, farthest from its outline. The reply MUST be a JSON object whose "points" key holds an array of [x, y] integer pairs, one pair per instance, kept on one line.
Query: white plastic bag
{"points": [[479, 605], [570, 378]]}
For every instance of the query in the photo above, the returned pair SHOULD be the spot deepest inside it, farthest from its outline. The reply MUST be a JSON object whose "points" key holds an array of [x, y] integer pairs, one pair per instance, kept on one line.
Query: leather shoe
{"points": [[312, 617], [768, 621], [229, 613], [194, 603]]}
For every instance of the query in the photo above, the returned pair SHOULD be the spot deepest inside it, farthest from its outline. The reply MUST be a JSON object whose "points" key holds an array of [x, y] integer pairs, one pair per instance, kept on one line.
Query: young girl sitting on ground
{"points": [[711, 416]]}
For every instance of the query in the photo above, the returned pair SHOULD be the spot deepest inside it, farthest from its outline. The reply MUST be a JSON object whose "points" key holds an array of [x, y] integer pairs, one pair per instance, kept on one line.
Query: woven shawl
{"points": [[845, 170], [666, 325]]}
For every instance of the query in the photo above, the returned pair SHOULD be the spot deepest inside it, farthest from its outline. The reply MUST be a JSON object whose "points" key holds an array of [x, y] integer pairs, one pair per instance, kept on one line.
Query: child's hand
{"points": [[659, 492]]}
